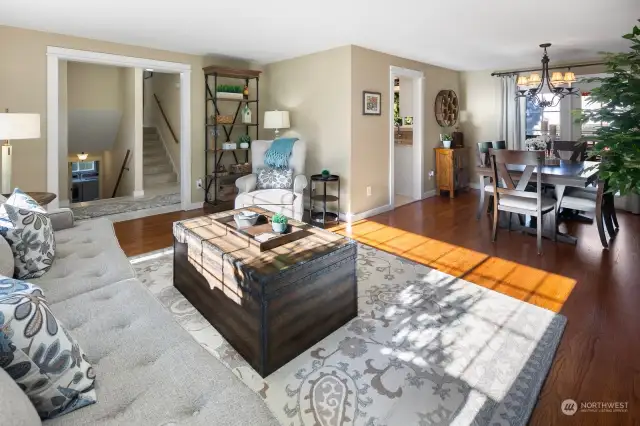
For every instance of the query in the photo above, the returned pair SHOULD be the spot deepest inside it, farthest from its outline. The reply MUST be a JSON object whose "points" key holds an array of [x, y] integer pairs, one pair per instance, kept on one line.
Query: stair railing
{"points": [[122, 169], [166, 120]]}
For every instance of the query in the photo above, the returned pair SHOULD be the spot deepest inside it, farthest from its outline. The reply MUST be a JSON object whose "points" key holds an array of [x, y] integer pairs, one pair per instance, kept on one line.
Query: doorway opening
{"points": [[97, 143], [406, 154]]}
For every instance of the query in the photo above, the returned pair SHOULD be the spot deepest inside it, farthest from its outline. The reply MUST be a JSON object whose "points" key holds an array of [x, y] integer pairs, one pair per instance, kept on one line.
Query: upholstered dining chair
{"points": [[484, 160], [601, 203], [288, 202], [514, 198], [499, 144]]}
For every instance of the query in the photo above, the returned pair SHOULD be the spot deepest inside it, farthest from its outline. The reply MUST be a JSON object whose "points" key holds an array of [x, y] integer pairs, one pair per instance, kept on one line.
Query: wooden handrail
{"points": [[122, 169], [166, 120]]}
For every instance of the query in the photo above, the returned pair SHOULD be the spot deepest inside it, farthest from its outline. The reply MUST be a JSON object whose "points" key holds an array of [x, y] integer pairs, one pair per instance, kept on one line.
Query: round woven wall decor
{"points": [[447, 108]]}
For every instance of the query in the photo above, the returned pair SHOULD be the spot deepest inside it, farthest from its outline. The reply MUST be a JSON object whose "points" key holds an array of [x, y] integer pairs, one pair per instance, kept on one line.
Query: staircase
{"points": [[158, 171]]}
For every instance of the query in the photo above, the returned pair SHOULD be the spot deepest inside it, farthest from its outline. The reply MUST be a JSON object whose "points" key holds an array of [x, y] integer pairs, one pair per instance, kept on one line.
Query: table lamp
{"points": [[15, 126], [276, 120]]}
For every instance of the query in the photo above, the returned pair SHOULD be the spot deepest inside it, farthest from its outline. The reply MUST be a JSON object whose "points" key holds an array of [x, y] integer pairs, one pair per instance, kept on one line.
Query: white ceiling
{"points": [[459, 34]]}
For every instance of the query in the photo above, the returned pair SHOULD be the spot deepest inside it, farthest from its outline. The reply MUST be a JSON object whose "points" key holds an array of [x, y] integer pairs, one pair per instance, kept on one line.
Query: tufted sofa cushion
{"points": [[88, 257], [150, 370]]}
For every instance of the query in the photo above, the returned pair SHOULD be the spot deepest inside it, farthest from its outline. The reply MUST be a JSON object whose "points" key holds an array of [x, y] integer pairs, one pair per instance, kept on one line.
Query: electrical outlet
{"points": [[199, 183], [430, 174], [368, 191]]}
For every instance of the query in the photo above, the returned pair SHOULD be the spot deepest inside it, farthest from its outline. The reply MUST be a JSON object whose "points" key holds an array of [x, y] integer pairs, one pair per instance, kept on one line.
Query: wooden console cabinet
{"points": [[452, 171]]}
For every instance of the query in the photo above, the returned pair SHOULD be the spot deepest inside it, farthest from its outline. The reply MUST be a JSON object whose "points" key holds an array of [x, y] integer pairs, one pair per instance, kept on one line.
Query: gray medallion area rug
{"points": [[426, 349], [124, 205]]}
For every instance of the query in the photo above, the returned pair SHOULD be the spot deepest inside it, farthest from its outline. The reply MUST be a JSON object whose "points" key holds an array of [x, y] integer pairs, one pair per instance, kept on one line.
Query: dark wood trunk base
{"points": [[269, 329]]}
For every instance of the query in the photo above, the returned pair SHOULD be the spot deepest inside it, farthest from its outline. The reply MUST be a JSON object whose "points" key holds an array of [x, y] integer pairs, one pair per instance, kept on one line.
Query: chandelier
{"points": [[559, 85]]}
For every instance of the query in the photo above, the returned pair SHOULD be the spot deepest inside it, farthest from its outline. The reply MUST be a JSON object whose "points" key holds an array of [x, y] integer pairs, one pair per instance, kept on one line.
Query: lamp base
{"points": [[6, 168]]}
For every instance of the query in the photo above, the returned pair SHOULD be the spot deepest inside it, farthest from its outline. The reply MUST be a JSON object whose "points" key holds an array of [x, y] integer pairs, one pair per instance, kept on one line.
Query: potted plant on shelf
{"points": [[244, 141], [279, 223], [618, 143], [229, 91], [446, 140]]}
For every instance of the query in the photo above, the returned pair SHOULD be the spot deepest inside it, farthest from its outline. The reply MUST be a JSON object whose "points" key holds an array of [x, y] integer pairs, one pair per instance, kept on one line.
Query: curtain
{"points": [[511, 113]]}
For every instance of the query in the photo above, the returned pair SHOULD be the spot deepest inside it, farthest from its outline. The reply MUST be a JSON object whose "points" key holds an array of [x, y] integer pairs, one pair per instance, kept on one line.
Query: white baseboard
{"points": [[138, 194], [429, 194], [63, 203], [354, 217]]}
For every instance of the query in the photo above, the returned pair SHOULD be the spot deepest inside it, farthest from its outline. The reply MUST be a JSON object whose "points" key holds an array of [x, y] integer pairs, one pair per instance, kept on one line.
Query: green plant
{"points": [[229, 88], [446, 137], [280, 218], [244, 139], [325, 172], [618, 142]]}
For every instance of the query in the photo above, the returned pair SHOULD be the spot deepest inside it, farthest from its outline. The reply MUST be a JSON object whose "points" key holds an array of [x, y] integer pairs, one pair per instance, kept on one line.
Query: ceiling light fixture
{"points": [[557, 84], [82, 156]]}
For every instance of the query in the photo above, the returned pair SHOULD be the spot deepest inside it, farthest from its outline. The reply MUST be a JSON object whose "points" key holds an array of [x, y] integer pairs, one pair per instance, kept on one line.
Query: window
{"points": [[535, 115], [83, 166], [589, 128]]}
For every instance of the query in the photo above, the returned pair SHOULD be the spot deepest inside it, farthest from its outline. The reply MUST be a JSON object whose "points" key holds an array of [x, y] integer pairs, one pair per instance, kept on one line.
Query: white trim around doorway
{"points": [[418, 131], [55, 54]]}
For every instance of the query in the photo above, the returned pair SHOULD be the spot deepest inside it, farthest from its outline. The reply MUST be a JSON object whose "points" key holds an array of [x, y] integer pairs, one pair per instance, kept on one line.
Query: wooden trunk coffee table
{"points": [[269, 305]]}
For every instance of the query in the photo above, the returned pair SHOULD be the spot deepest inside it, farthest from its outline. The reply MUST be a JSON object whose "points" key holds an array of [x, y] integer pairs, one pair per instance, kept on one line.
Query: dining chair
{"points": [[570, 150], [483, 160], [514, 198], [601, 203]]}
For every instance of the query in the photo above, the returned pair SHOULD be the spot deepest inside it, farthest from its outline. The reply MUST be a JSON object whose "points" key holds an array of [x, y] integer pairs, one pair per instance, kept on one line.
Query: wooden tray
{"points": [[262, 226]]}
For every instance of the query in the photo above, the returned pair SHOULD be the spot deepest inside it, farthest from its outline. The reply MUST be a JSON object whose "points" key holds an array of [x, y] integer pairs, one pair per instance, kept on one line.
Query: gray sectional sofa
{"points": [[149, 370]]}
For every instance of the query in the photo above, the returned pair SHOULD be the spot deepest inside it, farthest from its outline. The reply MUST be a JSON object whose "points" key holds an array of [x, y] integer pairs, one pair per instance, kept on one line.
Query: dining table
{"points": [[568, 174]]}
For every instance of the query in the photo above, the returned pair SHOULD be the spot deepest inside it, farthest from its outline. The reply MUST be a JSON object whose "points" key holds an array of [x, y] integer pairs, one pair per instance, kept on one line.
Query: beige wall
{"points": [[23, 89], [479, 95], [166, 87], [93, 86], [315, 89], [370, 134]]}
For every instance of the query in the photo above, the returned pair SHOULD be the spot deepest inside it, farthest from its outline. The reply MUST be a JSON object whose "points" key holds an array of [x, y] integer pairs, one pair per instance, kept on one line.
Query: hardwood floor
{"points": [[597, 290]]}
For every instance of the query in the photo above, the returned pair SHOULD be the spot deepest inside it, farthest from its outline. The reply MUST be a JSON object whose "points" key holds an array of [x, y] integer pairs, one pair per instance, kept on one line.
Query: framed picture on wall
{"points": [[371, 103]]}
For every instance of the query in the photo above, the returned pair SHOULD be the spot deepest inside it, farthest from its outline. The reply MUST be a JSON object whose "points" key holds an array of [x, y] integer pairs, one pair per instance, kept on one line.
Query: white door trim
{"points": [[418, 131], [55, 54]]}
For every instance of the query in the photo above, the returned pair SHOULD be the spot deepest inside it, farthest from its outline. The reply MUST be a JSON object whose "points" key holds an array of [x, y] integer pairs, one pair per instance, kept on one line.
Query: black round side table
{"points": [[324, 217]]}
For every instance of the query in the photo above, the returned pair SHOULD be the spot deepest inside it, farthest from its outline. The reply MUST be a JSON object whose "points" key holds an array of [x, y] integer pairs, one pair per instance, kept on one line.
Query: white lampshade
{"points": [[276, 120], [19, 126]]}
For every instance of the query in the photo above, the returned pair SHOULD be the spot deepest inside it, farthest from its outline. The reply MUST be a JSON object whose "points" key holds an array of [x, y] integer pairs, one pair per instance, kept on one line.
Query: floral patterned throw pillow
{"points": [[39, 354], [275, 179], [31, 240], [17, 199]]}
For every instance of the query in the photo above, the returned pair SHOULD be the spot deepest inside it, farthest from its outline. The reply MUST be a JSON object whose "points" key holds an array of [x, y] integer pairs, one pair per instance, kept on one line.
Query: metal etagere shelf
{"points": [[216, 133]]}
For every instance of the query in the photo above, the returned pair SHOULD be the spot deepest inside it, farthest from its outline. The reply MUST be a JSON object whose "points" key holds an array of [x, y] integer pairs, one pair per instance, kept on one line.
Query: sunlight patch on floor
{"points": [[522, 282]]}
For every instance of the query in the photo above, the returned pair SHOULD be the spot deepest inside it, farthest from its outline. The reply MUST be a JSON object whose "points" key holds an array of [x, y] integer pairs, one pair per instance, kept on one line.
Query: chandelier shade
{"points": [[557, 84]]}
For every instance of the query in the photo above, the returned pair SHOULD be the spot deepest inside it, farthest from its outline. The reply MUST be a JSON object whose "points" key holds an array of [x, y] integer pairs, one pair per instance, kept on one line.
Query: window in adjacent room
{"points": [[83, 166]]}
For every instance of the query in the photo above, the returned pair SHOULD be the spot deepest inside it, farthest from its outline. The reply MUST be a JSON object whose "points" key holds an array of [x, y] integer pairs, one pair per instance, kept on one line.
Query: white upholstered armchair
{"points": [[289, 202]]}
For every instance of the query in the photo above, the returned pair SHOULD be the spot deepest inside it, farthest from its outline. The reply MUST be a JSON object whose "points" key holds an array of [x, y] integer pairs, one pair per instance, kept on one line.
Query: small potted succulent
{"points": [[326, 174], [279, 223], [229, 91], [446, 140], [244, 141]]}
